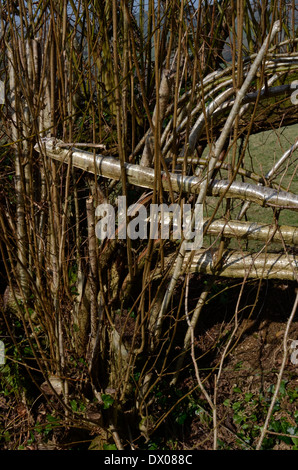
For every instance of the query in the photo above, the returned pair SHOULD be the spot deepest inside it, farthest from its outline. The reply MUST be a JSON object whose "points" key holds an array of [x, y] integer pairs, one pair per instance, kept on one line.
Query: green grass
{"points": [[263, 151]]}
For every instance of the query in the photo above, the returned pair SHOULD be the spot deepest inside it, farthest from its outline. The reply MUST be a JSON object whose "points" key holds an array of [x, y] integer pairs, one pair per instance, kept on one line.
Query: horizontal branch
{"points": [[239, 264], [261, 195], [109, 167], [253, 231]]}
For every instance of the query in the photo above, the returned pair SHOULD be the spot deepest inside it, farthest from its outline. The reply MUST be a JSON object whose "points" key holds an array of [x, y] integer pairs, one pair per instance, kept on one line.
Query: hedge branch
{"points": [[109, 167]]}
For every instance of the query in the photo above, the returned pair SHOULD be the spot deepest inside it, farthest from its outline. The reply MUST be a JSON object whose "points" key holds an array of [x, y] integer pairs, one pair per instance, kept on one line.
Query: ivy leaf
{"points": [[107, 401]]}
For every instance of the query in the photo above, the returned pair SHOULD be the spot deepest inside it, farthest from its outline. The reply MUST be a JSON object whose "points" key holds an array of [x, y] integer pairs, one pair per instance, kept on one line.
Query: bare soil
{"points": [[249, 371]]}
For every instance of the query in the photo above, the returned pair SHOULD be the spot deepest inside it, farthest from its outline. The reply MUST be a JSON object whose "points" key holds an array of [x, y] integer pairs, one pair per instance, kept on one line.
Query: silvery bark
{"points": [[109, 167], [21, 235], [214, 156]]}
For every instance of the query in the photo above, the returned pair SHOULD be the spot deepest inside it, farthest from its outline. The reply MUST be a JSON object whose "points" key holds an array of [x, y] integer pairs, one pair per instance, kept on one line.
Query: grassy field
{"points": [[262, 152]]}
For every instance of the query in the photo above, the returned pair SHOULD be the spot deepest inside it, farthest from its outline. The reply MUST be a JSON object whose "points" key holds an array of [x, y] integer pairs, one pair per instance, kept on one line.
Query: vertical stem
{"points": [[21, 234], [177, 86], [119, 125], [92, 241]]}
